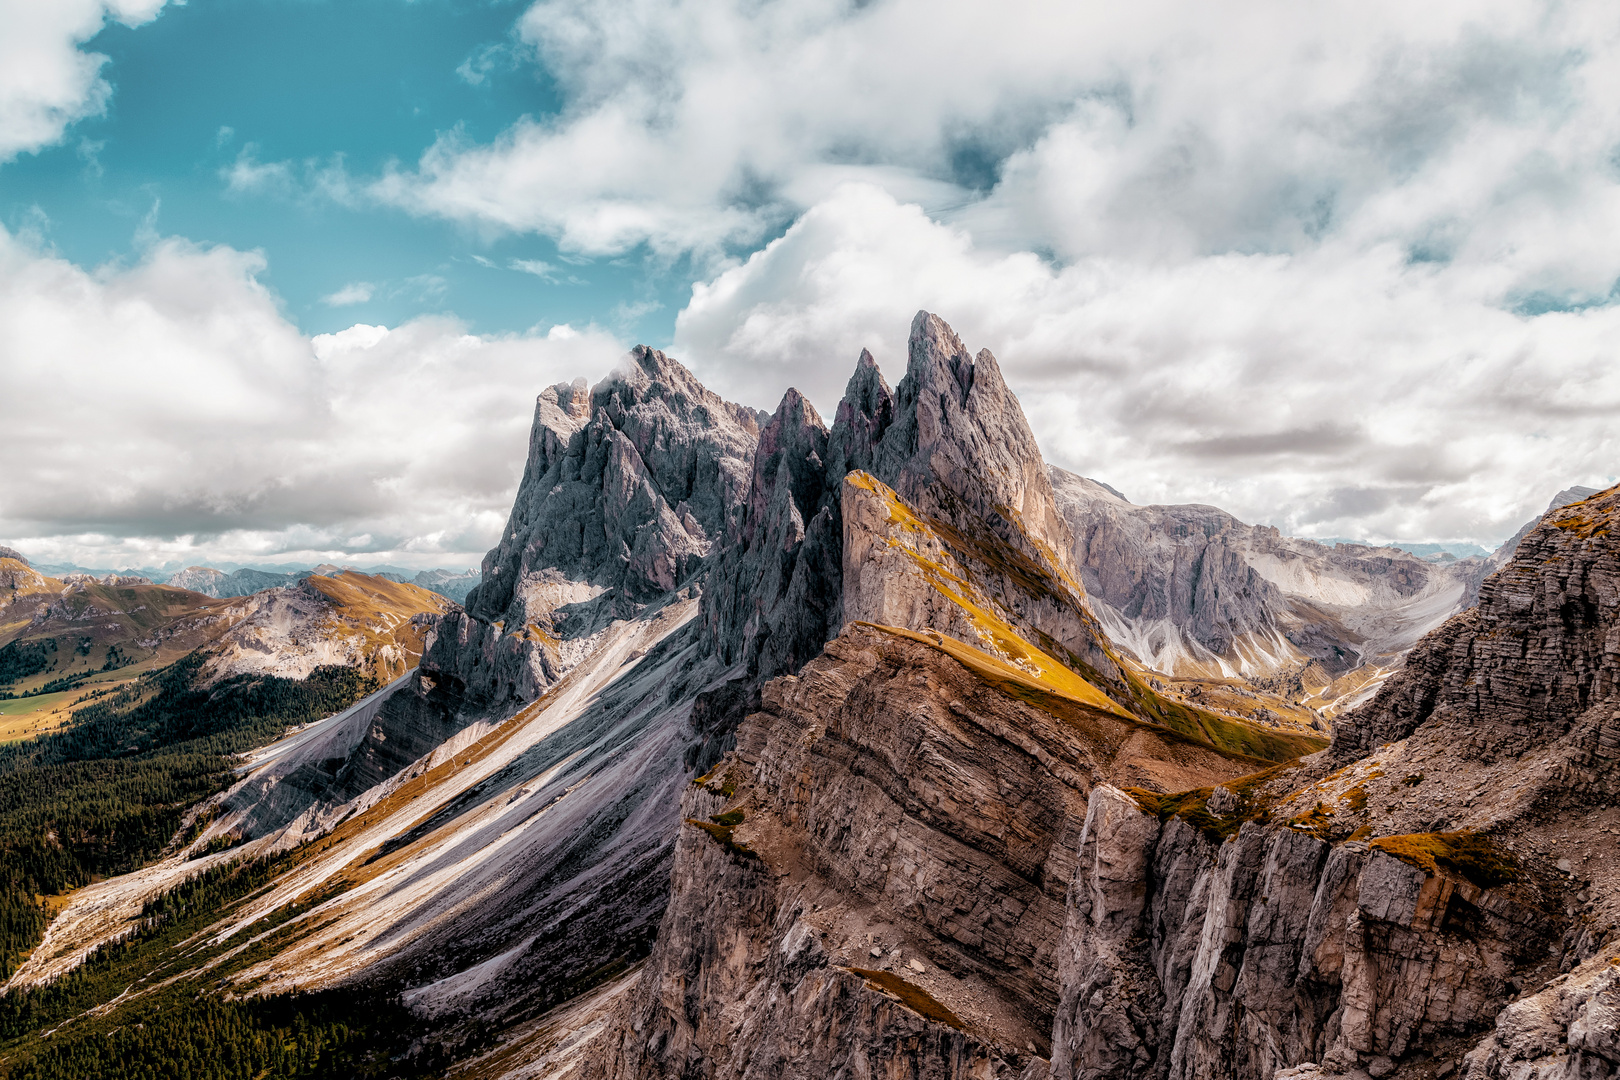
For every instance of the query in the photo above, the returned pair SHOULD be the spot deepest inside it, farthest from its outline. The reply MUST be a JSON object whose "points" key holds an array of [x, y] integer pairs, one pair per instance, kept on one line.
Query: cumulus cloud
{"points": [[168, 411], [46, 80], [1346, 267], [1343, 391], [1157, 129]]}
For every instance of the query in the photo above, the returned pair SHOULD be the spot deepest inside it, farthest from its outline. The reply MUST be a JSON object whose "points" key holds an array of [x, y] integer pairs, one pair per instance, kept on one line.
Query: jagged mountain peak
{"points": [[13, 553], [959, 435], [864, 415], [792, 449]]}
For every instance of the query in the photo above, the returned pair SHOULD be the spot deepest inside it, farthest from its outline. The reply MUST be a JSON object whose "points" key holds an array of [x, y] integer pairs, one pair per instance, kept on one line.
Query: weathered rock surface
{"points": [[1293, 944], [626, 489], [889, 903], [1192, 591], [950, 440]]}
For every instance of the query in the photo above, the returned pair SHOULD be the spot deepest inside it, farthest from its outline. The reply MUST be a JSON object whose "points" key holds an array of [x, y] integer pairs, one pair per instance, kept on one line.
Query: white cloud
{"points": [[173, 413], [46, 81], [539, 268], [356, 292], [1155, 129], [248, 175], [1343, 391], [1345, 267]]}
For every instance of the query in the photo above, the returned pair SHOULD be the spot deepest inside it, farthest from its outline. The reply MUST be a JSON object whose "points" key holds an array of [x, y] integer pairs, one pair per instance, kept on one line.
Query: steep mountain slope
{"points": [[1498, 558], [867, 883], [1193, 592], [1431, 874]]}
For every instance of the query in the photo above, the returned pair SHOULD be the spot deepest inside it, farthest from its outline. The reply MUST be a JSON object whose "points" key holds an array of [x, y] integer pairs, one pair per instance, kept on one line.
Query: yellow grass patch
{"points": [[1053, 677]]}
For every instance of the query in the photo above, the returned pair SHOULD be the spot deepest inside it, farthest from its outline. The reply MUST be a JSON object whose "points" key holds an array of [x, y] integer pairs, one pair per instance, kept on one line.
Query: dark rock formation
{"points": [[626, 489]]}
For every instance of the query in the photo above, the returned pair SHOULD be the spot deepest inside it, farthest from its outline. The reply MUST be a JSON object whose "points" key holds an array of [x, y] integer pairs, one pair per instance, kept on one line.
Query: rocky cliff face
{"points": [[874, 881], [1192, 591], [626, 489], [1439, 874], [869, 882]]}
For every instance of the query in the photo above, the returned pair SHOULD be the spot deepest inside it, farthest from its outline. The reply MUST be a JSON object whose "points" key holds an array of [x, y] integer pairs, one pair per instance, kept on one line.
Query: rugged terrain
{"points": [[1434, 892], [773, 748], [62, 642], [1196, 594]]}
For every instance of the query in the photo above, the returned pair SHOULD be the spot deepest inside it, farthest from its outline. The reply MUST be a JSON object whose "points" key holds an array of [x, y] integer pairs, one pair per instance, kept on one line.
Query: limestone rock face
{"points": [[902, 569], [895, 887], [627, 488], [1185, 957], [959, 447], [1540, 654], [1298, 944], [950, 441], [1192, 591]]}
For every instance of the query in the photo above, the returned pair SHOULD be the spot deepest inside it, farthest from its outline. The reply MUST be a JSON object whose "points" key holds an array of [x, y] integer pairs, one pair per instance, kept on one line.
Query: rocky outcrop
{"points": [[1478, 777], [350, 620], [874, 880], [951, 441], [1188, 957], [1540, 655], [1499, 558]]}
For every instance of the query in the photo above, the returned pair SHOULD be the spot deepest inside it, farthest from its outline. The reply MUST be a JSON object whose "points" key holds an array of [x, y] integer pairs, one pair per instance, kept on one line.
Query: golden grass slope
{"points": [[970, 607]]}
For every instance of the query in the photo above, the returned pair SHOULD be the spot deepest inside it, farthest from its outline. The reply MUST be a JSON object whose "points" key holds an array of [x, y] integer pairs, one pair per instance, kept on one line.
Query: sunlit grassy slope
{"points": [[1006, 657]]}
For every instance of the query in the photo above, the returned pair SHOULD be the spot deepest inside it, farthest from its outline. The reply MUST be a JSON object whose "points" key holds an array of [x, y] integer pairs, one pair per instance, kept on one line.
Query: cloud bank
{"points": [[169, 411], [1335, 392], [1348, 268]]}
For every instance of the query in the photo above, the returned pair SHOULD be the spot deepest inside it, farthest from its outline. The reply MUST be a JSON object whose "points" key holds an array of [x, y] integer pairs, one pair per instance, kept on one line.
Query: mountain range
{"points": [[772, 748]]}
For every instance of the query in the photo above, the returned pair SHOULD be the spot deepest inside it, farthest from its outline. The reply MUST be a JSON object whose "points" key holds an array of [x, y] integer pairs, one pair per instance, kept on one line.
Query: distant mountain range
{"points": [[233, 579]]}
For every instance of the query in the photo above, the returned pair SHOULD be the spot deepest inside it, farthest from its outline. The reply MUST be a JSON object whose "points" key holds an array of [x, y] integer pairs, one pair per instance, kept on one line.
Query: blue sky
{"points": [[364, 82], [279, 279]]}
